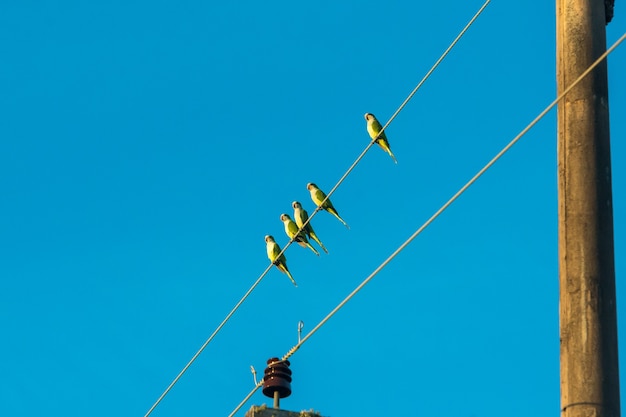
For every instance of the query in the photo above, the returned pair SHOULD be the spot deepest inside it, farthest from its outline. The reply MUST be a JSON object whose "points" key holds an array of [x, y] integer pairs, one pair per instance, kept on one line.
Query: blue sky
{"points": [[146, 148]]}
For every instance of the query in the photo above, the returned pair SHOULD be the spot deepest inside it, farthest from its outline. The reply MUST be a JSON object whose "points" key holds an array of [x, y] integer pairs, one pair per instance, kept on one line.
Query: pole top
{"points": [[609, 10]]}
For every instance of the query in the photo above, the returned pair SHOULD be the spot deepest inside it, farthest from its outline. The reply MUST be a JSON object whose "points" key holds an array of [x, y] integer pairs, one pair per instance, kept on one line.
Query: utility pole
{"points": [[588, 321]]}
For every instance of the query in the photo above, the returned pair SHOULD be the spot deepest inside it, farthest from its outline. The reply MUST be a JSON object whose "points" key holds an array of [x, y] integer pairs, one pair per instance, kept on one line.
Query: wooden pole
{"points": [[588, 322]]}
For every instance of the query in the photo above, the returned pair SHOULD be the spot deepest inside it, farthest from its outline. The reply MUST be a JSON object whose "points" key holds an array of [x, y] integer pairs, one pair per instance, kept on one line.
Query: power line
{"points": [[437, 213], [404, 103], [317, 209]]}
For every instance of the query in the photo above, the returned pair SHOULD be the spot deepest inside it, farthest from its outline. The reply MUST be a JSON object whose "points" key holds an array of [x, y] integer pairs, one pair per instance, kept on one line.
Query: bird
{"points": [[318, 197], [292, 230], [374, 128], [301, 216], [280, 262]]}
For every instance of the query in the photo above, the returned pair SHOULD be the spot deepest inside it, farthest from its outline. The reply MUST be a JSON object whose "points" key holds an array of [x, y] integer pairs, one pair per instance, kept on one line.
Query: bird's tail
{"points": [[334, 213], [385, 145], [312, 248], [392, 156], [283, 268], [301, 240], [319, 242]]}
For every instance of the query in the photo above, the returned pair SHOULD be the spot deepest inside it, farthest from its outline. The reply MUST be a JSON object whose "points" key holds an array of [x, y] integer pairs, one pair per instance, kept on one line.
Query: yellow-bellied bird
{"points": [[301, 216], [280, 262], [318, 197], [291, 228], [374, 128]]}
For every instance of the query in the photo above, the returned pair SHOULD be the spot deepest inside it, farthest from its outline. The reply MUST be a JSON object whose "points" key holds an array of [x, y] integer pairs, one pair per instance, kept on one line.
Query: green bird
{"points": [[374, 128], [301, 216], [280, 262], [318, 197], [293, 231]]}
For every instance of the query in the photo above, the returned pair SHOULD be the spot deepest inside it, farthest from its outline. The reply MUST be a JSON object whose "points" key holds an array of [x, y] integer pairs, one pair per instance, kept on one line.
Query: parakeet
{"points": [[373, 128], [318, 196], [301, 216], [291, 228], [272, 253]]}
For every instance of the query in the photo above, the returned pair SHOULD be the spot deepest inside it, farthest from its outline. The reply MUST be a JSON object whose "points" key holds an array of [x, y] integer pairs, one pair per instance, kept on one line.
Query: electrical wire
{"points": [[437, 213], [404, 103], [317, 209]]}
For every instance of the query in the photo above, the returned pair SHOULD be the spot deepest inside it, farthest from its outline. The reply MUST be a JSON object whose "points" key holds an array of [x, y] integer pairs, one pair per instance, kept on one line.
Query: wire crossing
{"points": [[317, 209], [437, 213]]}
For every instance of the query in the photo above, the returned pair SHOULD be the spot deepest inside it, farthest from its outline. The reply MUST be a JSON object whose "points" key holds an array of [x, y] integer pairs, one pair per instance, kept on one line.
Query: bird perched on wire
{"points": [[291, 229], [373, 128], [318, 197], [301, 216], [280, 262]]}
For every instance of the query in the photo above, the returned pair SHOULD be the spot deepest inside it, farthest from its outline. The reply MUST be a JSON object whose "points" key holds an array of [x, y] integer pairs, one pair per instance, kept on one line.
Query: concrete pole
{"points": [[588, 322]]}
